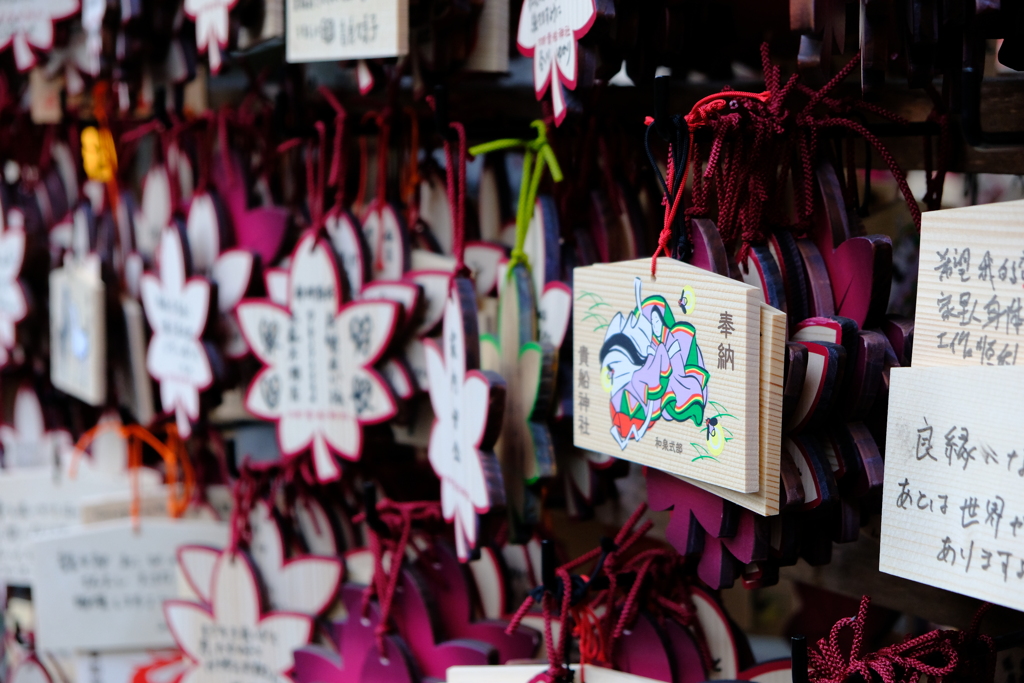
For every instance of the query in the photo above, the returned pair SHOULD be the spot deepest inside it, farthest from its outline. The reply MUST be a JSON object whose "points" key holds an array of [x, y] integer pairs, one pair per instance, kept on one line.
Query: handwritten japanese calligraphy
{"points": [[953, 507], [970, 300]]}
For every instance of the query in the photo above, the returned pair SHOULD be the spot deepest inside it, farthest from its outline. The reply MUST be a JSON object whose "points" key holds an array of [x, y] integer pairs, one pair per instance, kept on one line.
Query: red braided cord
{"points": [[770, 70], [457, 196], [338, 166], [936, 181], [776, 104], [901, 663], [383, 140], [364, 166], [745, 166], [670, 212], [517, 618], [699, 116], [894, 168], [624, 539], [316, 208], [833, 82], [244, 494], [456, 190], [588, 630], [686, 614], [630, 606], [557, 669], [399, 518]]}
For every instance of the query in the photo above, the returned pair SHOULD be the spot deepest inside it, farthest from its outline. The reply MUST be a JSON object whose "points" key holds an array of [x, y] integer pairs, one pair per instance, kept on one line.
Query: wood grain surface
{"points": [[684, 309], [970, 286]]}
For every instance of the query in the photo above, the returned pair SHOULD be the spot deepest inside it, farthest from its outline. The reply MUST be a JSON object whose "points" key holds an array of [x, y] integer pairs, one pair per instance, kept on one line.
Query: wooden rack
{"points": [[494, 106]]}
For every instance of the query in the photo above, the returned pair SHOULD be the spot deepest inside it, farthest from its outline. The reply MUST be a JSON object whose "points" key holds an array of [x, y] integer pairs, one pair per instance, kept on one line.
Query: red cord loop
{"points": [[399, 519], [245, 492], [455, 173], [337, 175], [936, 654], [756, 138], [605, 609]]}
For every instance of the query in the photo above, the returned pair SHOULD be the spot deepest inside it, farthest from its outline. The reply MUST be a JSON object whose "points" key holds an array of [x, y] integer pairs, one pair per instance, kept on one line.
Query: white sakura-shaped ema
{"points": [[93, 12], [233, 639], [548, 31], [177, 311], [29, 23], [13, 306], [468, 406], [31, 670], [319, 384], [211, 17], [28, 443], [155, 211], [232, 271], [305, 584]]}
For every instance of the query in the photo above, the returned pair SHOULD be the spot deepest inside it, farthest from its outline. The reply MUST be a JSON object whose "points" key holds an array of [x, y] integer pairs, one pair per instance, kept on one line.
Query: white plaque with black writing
{"points": [[953, 506], [103, 586], [969, 289], [329, 30]]}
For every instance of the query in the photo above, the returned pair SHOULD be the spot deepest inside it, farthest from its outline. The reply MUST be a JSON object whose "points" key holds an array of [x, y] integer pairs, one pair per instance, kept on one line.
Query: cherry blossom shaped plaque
{"points": [[434, 285], [388, 240], [318, 382], [177, 311], [543, 249], [233, 273], [205, 231], [350, 245], [13, 305], [578, 465], [407, 295], [93, 12], [483, 259], [276, 281], [305, 584], [468, 406], [548, 31], [155, 210], [364, 77], [30, 670], [319, 532], [525, 448], [27, 24], [421, 294], [27, 443], [357, 658], [233, 635], [211, 17]]}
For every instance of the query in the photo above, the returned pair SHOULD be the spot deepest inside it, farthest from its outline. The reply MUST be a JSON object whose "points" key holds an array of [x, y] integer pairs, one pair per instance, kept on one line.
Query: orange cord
{"points": [[592, 641], [174, 456]]}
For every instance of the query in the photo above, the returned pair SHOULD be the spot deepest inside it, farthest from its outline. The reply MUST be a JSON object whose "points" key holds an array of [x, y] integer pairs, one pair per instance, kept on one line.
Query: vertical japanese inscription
{"points": [[583, 385]]}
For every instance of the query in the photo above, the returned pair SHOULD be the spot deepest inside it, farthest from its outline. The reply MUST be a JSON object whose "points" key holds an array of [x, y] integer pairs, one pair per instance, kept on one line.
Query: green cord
{"points": [[538, 156]]}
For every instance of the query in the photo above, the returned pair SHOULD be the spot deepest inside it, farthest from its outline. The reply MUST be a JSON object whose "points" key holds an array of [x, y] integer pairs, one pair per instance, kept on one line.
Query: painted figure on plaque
{"points": [[654, 370]]}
